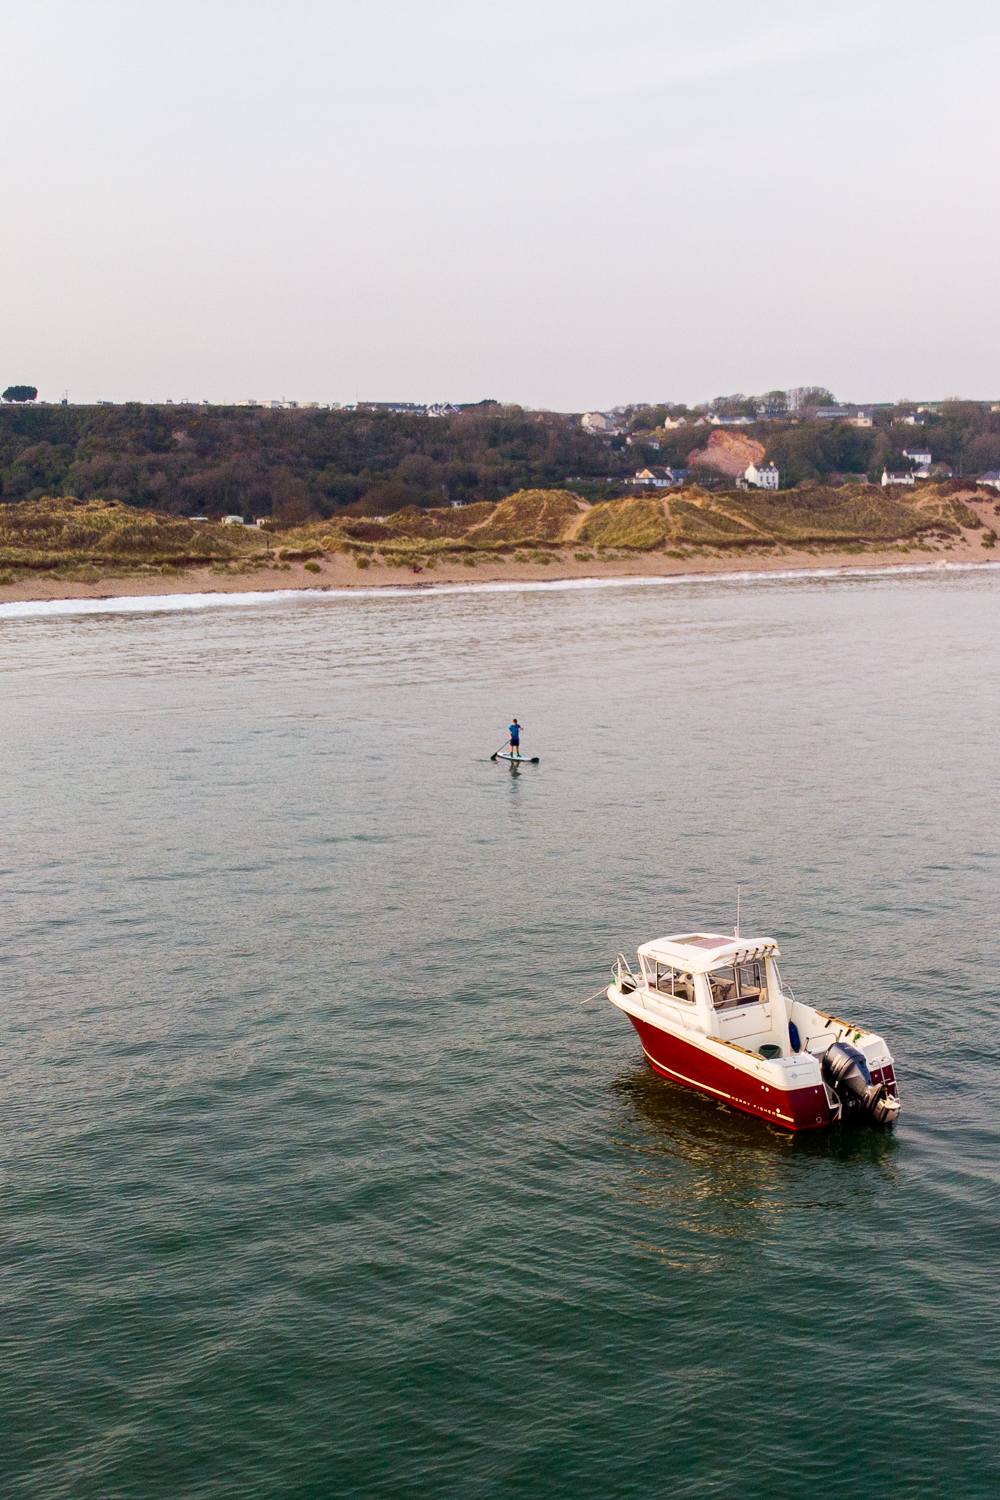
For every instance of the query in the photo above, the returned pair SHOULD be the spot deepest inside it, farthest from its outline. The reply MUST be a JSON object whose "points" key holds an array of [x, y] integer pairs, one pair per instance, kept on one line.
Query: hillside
{"points": [[849, 514], [293, 465], [49, 535], [313, 465], [91, 539]]}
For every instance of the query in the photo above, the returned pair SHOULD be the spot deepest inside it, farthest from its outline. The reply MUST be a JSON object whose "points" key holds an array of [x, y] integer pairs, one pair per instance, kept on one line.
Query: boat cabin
{"points": [[724, 986]]}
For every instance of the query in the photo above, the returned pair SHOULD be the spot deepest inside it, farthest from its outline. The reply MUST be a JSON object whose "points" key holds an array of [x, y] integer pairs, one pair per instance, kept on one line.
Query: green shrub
{"points": [[989, 538], [361, 561], [313, 567], [964, 516]]}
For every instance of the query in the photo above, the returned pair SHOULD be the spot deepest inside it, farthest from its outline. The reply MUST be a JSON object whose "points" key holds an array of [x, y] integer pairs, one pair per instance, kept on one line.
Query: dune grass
{"points": [[531, 516], [96, 538], [637, 521], [854, 513], [50, 534]]}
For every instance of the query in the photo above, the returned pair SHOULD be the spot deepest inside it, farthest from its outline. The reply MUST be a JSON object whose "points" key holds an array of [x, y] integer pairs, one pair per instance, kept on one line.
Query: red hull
{"points": [[794, 1109]]}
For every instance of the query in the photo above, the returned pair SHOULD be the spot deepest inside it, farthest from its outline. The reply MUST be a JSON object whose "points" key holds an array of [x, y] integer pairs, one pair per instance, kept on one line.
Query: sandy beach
{"points": [[340, 571]]}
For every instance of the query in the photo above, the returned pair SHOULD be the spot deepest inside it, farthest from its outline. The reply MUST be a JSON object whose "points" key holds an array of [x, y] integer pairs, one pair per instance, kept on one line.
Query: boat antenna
{"points": [[737, 932]]}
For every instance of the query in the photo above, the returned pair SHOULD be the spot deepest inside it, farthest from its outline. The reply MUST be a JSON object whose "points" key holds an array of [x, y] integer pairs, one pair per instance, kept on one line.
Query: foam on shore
{"points": [[161, 603]]}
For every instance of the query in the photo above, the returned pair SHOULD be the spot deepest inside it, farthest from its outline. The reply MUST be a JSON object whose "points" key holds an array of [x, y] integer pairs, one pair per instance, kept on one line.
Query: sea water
{"points": [[319, 1179]]}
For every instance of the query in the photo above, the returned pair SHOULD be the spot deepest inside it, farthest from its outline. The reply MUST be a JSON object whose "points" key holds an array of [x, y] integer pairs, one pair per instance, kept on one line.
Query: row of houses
{"points": [[401, 408], [766, 476], [756, 476], [609, 424], [922, 467]]}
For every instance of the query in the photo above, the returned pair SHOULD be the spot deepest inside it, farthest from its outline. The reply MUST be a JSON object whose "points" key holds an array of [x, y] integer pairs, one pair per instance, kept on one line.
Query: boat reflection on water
{"points": [[697, 1146], [720, 1188]]}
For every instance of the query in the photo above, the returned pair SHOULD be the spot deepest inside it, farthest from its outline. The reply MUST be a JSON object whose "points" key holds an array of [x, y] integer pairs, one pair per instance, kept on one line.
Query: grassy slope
{"points": [[846, 515], [849, 513], [67, 535], [42, 535]]}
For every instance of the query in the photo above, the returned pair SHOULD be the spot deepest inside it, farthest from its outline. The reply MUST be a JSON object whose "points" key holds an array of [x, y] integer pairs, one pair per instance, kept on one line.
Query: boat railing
{"points": [[625, 980]]}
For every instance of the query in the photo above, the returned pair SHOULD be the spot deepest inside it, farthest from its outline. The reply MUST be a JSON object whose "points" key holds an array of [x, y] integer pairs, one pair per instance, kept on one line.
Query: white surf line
{"points": [[141, 603], [160, 603]]}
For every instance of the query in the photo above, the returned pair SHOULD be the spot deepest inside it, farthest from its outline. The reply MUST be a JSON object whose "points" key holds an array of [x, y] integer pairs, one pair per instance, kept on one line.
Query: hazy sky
{"points": [[557, 203]]}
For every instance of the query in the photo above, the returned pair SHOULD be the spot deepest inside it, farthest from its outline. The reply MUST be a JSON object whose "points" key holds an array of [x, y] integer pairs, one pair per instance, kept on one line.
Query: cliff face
{"points": [[727, 452]]}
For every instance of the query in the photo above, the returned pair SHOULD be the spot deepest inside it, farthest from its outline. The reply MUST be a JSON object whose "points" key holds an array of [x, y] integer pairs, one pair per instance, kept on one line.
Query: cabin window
{"points": [[670, 981], [738, 984]]}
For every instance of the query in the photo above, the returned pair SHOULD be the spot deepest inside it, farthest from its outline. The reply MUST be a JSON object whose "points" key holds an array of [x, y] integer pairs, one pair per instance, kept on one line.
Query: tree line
{"points": [[300, 465], [294, 465]]}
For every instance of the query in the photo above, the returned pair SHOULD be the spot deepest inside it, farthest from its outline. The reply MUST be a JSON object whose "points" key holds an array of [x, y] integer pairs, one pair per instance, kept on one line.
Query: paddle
{"points": [[497, 751]]}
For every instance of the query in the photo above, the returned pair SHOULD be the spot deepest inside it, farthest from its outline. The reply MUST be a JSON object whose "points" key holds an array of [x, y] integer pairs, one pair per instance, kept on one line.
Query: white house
{"points": [[888, 478], [670, 423], [919, 456], [762, 476], [861, 418], [232, 520], [659, 479], [991, 477], [597, 423]]}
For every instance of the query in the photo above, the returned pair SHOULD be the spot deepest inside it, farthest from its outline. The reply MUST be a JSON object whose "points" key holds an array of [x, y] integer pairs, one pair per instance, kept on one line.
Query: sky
{"points": [[557, 203]]}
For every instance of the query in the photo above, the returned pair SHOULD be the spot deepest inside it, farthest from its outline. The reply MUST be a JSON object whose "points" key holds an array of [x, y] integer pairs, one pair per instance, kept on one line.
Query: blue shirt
{"points": [[515, 732]]}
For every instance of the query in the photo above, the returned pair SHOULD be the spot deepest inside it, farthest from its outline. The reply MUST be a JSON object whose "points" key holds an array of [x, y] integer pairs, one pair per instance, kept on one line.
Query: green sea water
{"points": [[318, 1179]]}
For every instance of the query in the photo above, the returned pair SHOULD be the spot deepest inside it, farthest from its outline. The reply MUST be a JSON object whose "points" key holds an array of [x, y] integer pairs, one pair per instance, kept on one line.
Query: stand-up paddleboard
{"points": [[519, 760]]}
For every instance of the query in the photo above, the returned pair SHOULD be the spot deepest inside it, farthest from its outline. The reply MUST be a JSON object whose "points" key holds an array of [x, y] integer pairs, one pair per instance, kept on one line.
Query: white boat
{"points": [[711, 1013]]}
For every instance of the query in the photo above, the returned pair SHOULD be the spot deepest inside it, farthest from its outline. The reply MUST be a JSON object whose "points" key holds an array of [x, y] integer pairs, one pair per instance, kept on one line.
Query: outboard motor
{"points": [[845, 1070]]}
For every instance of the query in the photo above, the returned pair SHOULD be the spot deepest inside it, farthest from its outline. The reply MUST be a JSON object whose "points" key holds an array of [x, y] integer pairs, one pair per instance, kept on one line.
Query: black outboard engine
{"points": [[845, 1070]]}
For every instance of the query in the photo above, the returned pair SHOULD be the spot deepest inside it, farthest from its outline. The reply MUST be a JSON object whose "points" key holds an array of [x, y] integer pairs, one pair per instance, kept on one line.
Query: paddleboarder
{"points": [[512, 750]]}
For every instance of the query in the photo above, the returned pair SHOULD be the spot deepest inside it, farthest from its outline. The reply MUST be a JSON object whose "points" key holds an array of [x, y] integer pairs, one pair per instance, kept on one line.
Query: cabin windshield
{"points": [[738, 984], [667, 980]]}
